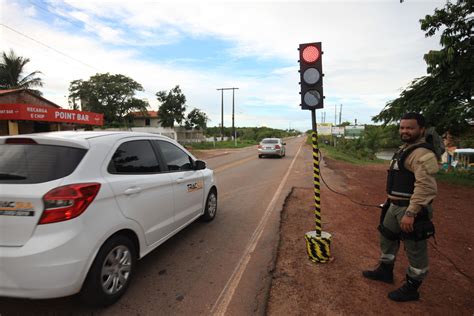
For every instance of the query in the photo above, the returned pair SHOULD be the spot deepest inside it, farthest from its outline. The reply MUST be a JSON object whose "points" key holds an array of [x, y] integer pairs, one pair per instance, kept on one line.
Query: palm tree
{"points": [[11, 68]]}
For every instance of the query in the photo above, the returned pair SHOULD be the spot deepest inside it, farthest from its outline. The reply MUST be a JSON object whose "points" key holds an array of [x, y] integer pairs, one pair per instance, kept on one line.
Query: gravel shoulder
{"points": [[300, 287]]}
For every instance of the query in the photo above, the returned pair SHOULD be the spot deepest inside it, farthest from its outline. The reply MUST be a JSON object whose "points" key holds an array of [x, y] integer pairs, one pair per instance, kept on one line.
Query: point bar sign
{"points": [[27, 112]]}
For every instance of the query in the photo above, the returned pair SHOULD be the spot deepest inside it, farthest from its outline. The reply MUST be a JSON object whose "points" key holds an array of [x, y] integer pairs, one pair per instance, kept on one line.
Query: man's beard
{"points": [[409, 139]]}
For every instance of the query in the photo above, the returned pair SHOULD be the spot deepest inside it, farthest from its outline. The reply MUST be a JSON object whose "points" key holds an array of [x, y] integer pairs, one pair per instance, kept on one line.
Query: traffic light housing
{"points": [[311, 76]]}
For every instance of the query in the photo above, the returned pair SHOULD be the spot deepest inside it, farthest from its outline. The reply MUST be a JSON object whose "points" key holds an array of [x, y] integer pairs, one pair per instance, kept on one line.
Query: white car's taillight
{"points": [[277, 146], [67, 202]]}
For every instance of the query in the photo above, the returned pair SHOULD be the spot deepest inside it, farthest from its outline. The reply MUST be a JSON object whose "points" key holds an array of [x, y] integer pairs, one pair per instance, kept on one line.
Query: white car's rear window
{"points": [[34, 163], [270, 141]]}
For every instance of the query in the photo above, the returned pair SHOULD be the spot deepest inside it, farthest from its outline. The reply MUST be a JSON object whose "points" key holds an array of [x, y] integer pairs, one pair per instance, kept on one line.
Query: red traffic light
{"points": [[311, 76], [310, 54]]}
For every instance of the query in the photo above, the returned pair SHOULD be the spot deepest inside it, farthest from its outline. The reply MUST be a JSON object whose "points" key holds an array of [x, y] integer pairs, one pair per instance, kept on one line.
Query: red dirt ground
{"points": [[300, 287]]}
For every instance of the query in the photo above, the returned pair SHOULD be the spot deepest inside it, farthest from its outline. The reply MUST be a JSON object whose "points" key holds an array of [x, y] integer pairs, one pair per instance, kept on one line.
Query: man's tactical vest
{"points": [[400, 181]]}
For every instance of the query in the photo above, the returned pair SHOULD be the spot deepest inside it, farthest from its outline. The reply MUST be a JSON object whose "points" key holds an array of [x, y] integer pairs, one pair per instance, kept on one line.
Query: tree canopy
{"points": [[11, 73], [172, 108], [196, 119], [112, 95], [444, 96]]}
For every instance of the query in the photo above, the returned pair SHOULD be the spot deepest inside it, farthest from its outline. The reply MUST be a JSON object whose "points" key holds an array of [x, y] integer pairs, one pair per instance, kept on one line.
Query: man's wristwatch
{"points": [[410, 214]]}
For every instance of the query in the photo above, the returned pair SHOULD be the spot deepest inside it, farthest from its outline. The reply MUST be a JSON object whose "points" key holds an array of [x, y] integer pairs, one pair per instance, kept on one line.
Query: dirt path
{"points": [[301, 287]]}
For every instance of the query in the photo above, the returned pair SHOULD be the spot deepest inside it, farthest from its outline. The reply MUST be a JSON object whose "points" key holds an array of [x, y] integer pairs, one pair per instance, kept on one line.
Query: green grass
{"points": [[464, 178], [222, 145], [458, 177], [334, 153]]}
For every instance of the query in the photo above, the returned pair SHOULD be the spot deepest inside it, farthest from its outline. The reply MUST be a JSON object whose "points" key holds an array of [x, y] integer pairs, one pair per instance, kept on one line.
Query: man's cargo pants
{"points": [[417, 251]]}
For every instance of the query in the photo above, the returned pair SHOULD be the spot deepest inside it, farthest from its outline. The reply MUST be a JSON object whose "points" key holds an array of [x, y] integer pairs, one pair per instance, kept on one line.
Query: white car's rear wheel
{"points": [[110, 273]]}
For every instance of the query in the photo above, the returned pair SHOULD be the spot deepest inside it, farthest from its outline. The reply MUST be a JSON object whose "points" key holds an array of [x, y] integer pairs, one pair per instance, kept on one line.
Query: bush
{"points": [[460, 177], [251, 133]]}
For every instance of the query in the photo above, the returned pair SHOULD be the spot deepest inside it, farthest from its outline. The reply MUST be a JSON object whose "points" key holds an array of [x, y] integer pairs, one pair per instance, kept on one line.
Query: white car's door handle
{"points": [[180, 180], [133, 190]]}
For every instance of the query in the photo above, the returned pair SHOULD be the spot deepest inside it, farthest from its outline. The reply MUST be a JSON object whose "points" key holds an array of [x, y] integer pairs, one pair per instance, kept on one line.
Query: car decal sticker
{"points": [[16, 208], [195, 186]]}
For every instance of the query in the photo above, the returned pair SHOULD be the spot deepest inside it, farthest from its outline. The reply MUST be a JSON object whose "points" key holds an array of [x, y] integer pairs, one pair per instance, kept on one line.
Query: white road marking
{"points": [[225, 297]]}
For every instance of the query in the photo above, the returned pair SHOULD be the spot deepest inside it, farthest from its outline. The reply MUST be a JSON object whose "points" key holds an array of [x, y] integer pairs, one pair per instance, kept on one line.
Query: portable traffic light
{"points": [[311, 76]]}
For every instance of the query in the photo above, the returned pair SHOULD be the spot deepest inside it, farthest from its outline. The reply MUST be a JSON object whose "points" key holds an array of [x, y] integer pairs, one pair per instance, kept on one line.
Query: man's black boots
{"points": [[384, 273], [407, 292]]}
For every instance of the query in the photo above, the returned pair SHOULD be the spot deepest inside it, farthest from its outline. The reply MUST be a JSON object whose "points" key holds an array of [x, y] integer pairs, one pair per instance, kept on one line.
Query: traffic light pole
{"points": [[317, 242], [316, 175], [312, 98]]}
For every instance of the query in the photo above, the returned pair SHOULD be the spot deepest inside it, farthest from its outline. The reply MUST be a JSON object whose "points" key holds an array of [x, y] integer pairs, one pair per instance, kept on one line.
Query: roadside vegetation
{"points": [[335, 153], [221, 145], [443, 96], [246, 136], [12, 73], [363, 149], [459, 177], [255, 134]]}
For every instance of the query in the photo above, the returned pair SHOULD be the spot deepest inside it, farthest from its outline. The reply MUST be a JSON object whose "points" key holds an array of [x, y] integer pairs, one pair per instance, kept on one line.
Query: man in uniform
{"points": [[411, 187]]}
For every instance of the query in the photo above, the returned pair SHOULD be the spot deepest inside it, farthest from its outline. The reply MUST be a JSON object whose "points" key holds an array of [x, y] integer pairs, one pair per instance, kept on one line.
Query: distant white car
{"points": [[77, 209], [271, 147]]}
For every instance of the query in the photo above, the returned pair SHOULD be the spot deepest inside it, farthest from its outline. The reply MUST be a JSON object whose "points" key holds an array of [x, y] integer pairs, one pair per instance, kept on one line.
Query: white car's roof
{"points": [[80, 138]]}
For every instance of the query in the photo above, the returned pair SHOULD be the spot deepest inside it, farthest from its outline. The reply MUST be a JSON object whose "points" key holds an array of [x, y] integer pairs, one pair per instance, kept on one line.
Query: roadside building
{"points": [[149, 123], [189, 136], [23, 112]]}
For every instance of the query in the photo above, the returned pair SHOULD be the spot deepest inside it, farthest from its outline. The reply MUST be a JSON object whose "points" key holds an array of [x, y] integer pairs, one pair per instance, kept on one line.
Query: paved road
{"points": [[210, 268]]}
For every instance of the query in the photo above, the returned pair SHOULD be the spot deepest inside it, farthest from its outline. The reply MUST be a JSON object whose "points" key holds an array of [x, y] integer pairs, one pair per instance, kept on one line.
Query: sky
{"points": [[372, 51]]}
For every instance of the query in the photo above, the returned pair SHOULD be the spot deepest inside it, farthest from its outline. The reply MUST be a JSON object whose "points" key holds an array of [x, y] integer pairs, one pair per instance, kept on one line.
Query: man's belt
{"points": [[400, 202]]}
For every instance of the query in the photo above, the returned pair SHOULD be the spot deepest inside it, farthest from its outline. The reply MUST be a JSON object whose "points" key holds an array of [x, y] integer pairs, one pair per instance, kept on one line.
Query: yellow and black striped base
{"points": [[318, 247]]}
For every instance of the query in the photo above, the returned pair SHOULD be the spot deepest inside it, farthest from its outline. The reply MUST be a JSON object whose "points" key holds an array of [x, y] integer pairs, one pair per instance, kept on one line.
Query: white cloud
{"points": [[31, 11], [371, 49]]}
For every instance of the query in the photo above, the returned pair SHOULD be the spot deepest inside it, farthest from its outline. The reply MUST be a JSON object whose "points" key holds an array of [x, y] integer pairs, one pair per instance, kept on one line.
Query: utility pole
{"points": [[233, 111], [340, 114], [335, 115], [222, 112]]}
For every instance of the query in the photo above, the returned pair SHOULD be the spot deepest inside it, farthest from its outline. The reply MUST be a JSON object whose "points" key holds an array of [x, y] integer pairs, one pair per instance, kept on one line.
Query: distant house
{"points": [[140, 119], [149, 123]]}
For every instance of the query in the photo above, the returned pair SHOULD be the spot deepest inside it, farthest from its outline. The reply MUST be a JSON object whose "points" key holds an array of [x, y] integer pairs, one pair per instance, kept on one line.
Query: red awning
{"points": [[27, 112]]}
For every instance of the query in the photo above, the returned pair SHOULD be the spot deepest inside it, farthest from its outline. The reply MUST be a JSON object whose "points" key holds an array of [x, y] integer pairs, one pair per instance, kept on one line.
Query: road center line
{"points": [[233, 164], [225, 297]]}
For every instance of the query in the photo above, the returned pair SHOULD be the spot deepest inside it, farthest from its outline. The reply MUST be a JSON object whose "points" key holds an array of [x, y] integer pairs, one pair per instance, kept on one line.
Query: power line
{"points": [[45, 45], [68, 20], [339, 193]]}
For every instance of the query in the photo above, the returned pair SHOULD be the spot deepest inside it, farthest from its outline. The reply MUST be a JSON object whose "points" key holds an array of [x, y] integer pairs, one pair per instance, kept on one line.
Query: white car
{"points": [[271, 147], [78, 209]]}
